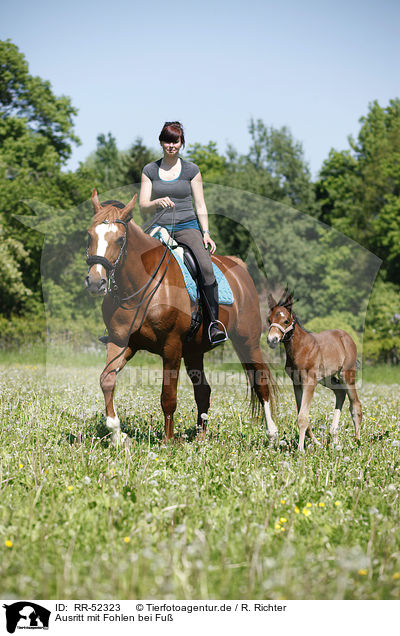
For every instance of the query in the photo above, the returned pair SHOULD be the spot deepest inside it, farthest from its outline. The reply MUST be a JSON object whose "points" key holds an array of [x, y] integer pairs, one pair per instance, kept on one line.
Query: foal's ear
{"points": [[129, 207], [271, 301]]}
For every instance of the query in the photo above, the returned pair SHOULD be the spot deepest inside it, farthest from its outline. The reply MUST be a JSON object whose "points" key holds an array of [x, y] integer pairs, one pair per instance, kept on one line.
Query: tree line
{"points": [[321, 237]]}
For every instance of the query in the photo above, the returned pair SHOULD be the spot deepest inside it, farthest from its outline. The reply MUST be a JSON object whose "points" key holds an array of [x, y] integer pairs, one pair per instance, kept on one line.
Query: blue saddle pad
{"points": [[225, 295]]}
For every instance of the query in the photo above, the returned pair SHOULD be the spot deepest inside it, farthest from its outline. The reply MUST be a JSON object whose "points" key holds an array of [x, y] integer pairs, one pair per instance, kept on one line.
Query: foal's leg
{"points": [[172, 354], [260, 379], [117, 357], [303, 417], [349, 378], [194, 363], [340, 395]]}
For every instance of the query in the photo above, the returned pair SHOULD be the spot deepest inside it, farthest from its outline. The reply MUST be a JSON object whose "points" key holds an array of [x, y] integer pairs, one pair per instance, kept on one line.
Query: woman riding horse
{"points": [[172, 184]]}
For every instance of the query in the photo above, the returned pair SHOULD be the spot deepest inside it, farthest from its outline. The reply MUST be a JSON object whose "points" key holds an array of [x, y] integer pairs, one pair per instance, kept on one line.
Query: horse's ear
{"points": [[129, 206], [271, 301], [289, 302], [96, 202]]}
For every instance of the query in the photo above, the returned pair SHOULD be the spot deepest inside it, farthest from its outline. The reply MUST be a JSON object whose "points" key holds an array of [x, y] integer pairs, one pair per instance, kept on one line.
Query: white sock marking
{"points": [[272, 429]]}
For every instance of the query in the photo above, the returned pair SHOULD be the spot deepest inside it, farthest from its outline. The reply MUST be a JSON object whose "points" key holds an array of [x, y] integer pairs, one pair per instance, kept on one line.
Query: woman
{"points": [[173, 185]]}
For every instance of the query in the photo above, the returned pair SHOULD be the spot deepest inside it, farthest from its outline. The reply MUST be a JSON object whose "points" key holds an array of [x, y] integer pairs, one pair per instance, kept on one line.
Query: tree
{"points": [[359, 189], [135, 159], [36, 137], [107, 163]]}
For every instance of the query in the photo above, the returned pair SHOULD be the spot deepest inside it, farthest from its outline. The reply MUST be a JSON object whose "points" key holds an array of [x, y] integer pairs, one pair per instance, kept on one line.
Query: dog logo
{"points": [[26, 615]]}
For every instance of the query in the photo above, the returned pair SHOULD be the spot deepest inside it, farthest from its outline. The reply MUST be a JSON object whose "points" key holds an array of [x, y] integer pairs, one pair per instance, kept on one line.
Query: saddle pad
{"points": [[225, 295]]}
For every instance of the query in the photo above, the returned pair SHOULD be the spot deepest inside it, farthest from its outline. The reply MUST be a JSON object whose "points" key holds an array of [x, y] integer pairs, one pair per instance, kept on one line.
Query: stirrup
{"points": [[222, 336]]}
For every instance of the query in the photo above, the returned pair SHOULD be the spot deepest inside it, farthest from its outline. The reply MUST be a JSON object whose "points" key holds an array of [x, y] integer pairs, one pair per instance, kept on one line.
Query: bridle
{"points": [[284, 331], [108, 265]]}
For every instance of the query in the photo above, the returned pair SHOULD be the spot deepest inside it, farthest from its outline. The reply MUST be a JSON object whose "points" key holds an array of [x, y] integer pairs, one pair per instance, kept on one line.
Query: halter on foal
{"points": [[146, 306], [313, 358]]}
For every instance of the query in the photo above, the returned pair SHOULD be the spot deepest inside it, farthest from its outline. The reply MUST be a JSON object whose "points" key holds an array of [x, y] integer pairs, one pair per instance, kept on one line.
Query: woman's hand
{"points": [[209, 242], [164, 202]]}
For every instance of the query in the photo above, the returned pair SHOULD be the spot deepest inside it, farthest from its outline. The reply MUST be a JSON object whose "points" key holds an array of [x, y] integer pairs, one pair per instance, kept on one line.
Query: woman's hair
{"points": [[172, 131]]}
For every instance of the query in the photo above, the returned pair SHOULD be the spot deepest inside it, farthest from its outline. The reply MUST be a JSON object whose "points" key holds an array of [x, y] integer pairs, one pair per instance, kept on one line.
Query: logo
{"points": [[26, 615]]}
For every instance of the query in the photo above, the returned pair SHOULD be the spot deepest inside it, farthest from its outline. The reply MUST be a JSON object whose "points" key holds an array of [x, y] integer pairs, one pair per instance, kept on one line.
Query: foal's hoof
{"points": [[273, 439]]}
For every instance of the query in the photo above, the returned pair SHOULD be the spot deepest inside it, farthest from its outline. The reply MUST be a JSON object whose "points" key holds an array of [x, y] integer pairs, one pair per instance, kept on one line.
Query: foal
{"points": [[313, 358]]}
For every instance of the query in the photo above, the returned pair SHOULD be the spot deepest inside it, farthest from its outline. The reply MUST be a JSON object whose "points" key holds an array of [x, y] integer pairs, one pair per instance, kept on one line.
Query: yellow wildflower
{"points": [[321, 504], [306, 512], [297, 510], [362, 572], [70, 488], [283, 520], [127, 539], [337, 503], [8, 543], [396, 576], [20, 465], [309, 505], [283, 501]]}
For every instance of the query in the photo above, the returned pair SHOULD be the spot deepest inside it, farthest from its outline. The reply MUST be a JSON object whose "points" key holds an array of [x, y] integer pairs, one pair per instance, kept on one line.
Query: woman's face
{"points": [[171, 148]]}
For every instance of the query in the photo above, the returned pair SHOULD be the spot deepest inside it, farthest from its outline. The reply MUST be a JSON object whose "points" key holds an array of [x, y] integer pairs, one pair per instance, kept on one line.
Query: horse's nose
{"points": [[96, 286]]}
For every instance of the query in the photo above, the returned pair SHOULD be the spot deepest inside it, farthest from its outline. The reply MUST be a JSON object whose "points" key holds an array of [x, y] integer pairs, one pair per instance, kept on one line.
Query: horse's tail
{"points": [[263, 376]]}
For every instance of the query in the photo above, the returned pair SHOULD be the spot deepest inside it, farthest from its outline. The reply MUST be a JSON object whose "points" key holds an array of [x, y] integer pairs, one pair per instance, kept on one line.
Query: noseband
{"points": [[284, 331], [108, 266]]}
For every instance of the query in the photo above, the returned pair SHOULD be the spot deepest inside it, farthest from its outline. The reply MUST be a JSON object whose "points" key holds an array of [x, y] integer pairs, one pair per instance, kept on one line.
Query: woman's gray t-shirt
{"points": [[178, 190]]}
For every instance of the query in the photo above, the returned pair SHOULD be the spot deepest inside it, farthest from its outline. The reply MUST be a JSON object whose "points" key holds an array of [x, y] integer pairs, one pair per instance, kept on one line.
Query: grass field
{"points": [[234, 517]]}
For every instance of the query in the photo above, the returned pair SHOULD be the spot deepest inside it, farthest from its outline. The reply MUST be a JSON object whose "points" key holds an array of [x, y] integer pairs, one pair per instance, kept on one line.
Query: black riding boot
{"points": [[216, 330]]}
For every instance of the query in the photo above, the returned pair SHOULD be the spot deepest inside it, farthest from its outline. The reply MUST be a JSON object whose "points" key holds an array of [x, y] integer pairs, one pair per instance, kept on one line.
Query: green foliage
{"points": [[336, 320], [359, 189], [30, 101], [135, 159], [382, 326]]}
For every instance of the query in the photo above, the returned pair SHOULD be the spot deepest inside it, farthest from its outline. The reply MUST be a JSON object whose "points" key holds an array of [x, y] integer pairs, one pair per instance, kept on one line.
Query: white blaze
{"points": [[102, 243]]}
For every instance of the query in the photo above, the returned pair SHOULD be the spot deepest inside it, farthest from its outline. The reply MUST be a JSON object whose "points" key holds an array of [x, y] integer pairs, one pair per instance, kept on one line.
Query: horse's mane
{"points": [[111, 211]]}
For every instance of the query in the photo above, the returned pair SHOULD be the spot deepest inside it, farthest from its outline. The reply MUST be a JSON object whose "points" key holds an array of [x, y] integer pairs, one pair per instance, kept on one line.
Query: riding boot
{"points": [[216, 331]]}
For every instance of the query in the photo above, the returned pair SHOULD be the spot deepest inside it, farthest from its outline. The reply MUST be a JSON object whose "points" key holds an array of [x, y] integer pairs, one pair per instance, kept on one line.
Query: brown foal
{"points": [[313, 358], [146, 306]]}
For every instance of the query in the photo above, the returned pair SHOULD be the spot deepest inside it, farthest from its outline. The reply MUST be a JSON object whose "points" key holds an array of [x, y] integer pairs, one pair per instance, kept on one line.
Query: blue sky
{"points": [[129, 66]]}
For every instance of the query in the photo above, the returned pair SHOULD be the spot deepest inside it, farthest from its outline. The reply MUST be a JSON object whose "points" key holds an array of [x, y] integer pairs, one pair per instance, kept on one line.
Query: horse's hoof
{"points": [[273, 439]]}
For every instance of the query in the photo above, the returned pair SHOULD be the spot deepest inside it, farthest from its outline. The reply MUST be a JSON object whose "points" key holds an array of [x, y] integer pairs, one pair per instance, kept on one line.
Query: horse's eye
{"points": [[286, 322], [120, 240]]}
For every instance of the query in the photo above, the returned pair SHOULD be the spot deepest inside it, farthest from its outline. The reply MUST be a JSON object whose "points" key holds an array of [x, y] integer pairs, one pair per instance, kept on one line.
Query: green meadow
{"points": [[232, 517]]}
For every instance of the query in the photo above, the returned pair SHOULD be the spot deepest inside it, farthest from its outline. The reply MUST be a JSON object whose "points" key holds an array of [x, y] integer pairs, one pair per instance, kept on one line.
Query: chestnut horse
{"points": [[313, 358], [146, 306]]}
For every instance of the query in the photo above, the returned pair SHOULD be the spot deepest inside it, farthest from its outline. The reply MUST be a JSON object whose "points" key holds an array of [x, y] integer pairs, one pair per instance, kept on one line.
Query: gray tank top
{"points": [[178, 190]]}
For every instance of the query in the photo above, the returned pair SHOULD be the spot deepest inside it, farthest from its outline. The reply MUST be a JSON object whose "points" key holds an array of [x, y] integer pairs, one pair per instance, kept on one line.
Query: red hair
{"points": [[172, 131]]}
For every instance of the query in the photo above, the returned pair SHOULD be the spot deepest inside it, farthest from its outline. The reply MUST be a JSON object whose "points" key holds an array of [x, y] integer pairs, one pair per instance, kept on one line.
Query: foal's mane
{"points": [[286, 300], [111, 211]]}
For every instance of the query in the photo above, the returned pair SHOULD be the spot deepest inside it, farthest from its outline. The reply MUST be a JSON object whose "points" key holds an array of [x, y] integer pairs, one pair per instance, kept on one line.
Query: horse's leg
{"points": [[303, 417], [172, 355], [349, 379], [260, 380], [340, 395], [194, 363], [117, 358]]}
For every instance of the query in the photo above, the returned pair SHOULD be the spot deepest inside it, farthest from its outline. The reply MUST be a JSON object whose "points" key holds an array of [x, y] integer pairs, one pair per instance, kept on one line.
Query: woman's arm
{"points": [[146, 204], [201, 209]]}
